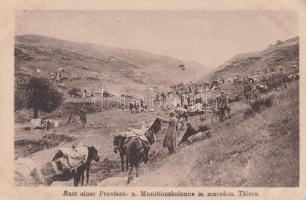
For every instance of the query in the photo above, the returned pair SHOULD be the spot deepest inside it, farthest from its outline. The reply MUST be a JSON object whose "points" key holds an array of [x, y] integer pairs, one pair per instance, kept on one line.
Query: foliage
{"points": [[42, 96]]}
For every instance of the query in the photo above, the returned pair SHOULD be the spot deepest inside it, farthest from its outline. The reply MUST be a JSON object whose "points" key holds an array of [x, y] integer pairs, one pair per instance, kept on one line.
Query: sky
{"points": [[208, 37]]}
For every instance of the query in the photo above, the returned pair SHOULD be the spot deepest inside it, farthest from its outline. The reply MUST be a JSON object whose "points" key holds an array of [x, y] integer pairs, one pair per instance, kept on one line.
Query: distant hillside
{"points": [[283, 55], [117, 69]]}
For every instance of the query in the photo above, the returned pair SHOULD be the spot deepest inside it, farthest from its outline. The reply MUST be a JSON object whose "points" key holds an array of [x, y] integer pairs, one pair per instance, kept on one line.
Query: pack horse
{"points": [[70, 163], [134, 145]]}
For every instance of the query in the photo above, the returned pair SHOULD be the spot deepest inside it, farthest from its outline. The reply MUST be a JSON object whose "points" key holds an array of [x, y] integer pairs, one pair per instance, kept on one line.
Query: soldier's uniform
{"points": [[223, 104], [247, 90], [82, 115]]}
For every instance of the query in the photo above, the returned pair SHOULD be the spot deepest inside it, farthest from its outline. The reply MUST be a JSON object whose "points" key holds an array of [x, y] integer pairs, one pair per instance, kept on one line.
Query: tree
{"points": [[42, 96], [19, 99]]}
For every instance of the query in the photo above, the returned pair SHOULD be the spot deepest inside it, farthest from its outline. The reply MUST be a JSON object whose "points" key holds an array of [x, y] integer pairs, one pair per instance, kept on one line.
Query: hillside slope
{"points": [[283, 55], [259, 152], [118, 69]]}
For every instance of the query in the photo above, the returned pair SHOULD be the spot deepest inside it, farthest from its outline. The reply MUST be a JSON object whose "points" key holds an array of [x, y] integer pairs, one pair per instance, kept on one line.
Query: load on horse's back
{"points": [[74, 156], [68, 163]]}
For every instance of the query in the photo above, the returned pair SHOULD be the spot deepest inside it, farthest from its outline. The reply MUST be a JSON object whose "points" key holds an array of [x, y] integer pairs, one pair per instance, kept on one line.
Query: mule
{"points": [[137, 151], [120, 141], [76, 173]]}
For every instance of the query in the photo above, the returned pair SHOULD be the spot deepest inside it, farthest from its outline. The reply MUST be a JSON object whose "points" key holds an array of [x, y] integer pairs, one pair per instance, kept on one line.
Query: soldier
{"points": [[82, 115], [223, 105], [131, 106], [247, 90], [171, 133], [58, 78], [189, 132]]}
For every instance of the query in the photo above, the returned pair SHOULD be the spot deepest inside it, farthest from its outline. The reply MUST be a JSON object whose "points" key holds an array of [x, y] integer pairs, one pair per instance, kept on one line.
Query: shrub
{"points": [[261, 103], [257, 106]]}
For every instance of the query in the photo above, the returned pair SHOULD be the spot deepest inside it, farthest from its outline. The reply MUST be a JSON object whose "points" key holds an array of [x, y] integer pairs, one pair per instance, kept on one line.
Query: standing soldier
{"points": [[227, 106], [247, 90], [82, 115], [141, 104], [58, 78], [170, 137], [223, 105], [131, 106]]}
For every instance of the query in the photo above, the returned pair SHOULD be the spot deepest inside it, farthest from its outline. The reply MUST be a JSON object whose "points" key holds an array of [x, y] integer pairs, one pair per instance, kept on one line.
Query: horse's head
{"points": [[156, 126], [150, 136], [93, 154], [118, 142]]}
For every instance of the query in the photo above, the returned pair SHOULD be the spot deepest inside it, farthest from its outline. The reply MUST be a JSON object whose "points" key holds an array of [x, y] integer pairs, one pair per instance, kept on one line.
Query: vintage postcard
{"points": [[153, 101]]}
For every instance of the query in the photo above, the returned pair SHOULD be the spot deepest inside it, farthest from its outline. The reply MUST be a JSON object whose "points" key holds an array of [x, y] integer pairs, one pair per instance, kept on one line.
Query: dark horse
{"points": [[135, 149], [118, 143], [76, 173]]}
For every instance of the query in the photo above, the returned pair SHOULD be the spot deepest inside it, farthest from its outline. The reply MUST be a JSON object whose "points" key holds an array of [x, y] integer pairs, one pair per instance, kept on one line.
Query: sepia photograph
{"points": [[156, 98]]}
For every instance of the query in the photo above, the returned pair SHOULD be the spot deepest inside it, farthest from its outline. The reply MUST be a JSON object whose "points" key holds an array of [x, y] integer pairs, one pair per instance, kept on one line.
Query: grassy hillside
{"points": [[118, 69], [259, 152], [262, 151], [283, 55]]}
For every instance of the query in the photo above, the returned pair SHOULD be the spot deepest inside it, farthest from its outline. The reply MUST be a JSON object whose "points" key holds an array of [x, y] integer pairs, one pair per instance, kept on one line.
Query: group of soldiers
{"points": [[137, 106]]}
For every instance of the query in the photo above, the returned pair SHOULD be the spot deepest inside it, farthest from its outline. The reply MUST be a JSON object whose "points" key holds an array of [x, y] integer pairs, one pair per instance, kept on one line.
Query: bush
{"points": [[248, 113], [257, 106], [260, 104], [19, 96]]}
